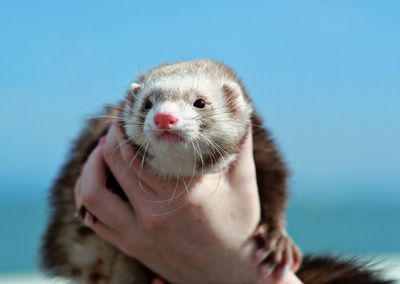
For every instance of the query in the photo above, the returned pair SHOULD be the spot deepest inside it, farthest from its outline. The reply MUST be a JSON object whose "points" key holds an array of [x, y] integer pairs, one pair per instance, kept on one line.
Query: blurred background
{"points": [[325, 75]]}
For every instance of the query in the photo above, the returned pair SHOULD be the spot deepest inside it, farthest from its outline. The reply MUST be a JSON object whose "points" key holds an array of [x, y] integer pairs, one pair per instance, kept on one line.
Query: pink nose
{"points": [[164, 120]]}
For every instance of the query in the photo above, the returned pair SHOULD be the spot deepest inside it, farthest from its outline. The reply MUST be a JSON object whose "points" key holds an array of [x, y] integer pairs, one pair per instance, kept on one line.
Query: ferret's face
{"points": [[187, 125]]}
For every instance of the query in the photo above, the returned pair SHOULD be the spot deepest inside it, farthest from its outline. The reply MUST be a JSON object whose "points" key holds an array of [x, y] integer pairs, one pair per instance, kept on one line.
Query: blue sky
{"points": [[324, 74]]}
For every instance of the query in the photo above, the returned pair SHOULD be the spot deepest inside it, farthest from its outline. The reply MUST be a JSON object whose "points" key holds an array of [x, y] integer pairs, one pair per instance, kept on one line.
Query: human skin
{"points": [[196, 231]]}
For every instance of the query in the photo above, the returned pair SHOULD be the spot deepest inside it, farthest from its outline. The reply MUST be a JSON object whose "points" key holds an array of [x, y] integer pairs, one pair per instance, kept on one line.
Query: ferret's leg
{"points": [[276, 252]]}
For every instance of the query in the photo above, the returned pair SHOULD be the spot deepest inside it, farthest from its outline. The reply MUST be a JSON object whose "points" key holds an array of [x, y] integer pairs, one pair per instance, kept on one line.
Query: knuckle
{"points": [[107, 152], [87, 197], [125, 150], [77, 186]]}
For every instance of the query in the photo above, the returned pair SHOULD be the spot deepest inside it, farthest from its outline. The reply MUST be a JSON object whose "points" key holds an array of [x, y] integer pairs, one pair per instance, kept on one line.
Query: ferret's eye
{"points": [[199, 103], [148, 105]]}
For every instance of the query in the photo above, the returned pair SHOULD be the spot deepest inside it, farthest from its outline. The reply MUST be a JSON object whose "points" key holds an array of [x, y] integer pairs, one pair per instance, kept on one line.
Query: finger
{"points": [[289, 278], [137, 163], [244, 168], [106, 233], [97, 198], [125, 147], [119, 167], [157, 280], [129, 173], [296, 258]]}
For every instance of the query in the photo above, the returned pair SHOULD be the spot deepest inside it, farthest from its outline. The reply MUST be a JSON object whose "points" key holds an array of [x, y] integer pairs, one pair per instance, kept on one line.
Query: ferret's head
{"points": [[188, 117]]}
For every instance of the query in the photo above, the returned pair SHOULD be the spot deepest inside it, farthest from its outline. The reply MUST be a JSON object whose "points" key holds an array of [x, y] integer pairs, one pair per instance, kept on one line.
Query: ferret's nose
{"points": [[164, 120]]}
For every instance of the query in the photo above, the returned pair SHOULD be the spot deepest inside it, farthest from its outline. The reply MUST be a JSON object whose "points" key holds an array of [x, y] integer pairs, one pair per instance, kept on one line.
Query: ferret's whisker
{"points": [[135, 156], [221, 195], [172, 211], [187, 189], [174, 192], [164, 200], [200, 155], [214, 114], [216, 186], [194, 162], [133, 123], [118, 146], [105, 116], [141, 168], [125, 107], [215, 146], [218, 148]]}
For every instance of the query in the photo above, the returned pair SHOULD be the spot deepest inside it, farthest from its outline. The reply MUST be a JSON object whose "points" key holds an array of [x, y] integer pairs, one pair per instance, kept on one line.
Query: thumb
{"points": [[243, 170]]}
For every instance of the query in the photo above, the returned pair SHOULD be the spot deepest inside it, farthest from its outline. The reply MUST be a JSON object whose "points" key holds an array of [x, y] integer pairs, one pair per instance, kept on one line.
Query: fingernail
{"points": [[102, 140], [89, 220], [261, 255], [266, 271], [285, 270], [82, 212], [290, 265]]}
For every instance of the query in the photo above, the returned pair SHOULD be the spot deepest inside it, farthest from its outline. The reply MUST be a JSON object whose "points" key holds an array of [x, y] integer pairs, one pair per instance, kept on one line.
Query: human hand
{"points": [[197, 230]]}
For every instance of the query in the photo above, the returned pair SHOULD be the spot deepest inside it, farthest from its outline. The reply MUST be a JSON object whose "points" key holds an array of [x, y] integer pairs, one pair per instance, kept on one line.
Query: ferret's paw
{"points": [[275, 252]]}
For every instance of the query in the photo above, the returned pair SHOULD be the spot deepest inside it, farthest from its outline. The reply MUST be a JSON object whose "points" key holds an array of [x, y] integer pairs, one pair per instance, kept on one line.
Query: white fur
{"points": [[239, 99], [135, 85], [177, 158]]}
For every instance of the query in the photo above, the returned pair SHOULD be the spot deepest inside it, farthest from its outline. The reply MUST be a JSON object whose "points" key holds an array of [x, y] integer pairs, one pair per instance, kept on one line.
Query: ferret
{"points": [[172, 109]]}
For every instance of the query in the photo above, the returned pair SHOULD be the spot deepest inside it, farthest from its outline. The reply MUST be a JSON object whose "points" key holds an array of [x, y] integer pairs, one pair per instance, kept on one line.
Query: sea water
{"points": [[317, 224]]}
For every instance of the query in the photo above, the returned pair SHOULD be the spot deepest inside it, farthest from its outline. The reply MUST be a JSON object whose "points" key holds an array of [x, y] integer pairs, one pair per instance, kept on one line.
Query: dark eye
{"points": [[199, 103], [148, 105]]}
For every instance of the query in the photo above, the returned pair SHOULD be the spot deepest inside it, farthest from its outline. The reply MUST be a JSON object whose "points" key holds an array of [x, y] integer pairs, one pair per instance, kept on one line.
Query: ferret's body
{"points": [[192, 115]]}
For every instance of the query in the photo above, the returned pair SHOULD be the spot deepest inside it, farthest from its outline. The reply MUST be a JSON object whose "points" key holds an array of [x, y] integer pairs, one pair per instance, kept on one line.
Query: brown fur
{"points": [[64, 229], [333, 270]]}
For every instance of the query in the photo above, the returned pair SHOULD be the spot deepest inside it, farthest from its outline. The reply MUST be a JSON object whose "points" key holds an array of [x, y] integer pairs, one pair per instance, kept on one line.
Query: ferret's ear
{"points": [[234, 97], [131, 95], [135, 88]]}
